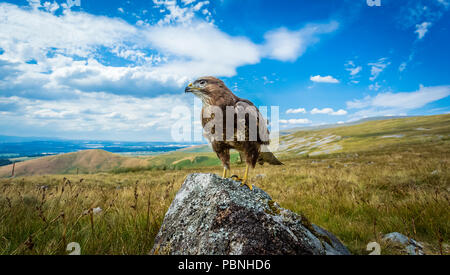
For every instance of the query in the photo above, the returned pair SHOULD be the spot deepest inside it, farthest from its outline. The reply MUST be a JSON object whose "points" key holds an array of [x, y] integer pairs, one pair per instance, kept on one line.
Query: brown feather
{"points": [[215, 94]]}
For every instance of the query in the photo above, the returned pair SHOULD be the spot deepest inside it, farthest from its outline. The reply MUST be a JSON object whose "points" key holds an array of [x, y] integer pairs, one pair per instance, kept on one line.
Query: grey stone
{"points": [[259, 176], [412, 247], [215, 216]]}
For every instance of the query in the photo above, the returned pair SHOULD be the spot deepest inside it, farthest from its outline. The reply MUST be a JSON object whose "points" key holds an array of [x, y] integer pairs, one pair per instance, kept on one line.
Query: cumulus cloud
{"points": [[295, 121], [202, 45], [91, 113], [285, 45], [69, 49], [323, 79], [296, 111], [328, 111], [56, 70], [398, 103]]}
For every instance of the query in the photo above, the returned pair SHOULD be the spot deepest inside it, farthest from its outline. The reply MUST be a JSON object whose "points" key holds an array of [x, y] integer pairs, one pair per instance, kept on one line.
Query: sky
{"points": [[116, 70]]}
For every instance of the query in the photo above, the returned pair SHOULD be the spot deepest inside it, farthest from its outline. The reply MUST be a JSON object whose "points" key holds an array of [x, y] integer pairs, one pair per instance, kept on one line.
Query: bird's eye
{"points": [[202, 82]]}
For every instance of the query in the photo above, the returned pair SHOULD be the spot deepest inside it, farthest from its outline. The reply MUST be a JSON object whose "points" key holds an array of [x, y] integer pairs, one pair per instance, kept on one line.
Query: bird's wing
{"points": [[253, 125]]}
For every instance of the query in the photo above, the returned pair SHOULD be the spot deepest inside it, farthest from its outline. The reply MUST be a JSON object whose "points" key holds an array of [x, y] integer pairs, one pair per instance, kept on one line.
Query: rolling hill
{"points": [[369, 135], [357, 181], [86, 161]]}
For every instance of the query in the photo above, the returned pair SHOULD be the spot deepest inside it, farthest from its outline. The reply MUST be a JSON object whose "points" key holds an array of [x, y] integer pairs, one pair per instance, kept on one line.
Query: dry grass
{"points": [[86, 161], [41, 214], [358, 197]]}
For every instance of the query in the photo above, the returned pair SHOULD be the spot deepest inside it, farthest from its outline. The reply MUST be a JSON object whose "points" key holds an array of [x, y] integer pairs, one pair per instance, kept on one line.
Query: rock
{"points": [[412, 247], [259, 176], [96, 210], [215, 216]]}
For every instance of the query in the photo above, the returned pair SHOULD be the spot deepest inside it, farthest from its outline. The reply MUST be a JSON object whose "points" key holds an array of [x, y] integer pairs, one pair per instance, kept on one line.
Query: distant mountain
{"points": [[87, 161], [371, 134], [12, 147]]}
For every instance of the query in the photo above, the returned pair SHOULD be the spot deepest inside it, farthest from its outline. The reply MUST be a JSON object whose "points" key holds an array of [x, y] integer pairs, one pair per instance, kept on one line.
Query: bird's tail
{"points": [[264, 157], [268, 157]]}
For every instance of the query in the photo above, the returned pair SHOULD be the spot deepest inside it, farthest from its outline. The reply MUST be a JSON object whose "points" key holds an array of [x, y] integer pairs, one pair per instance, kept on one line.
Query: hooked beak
{"points": [[188, 88]]}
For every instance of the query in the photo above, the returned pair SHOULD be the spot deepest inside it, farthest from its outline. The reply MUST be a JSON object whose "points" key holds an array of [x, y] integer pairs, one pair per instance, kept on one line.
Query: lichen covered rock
{"points": [[215, 216], [411, 246]]}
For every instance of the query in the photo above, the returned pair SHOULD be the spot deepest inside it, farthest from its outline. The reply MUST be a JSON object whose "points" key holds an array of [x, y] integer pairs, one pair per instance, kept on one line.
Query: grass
{"points": [[358, 198], [359, 195], [367, 136]]}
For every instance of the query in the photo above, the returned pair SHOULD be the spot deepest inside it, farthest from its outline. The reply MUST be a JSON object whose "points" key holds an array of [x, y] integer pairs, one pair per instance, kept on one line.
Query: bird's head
{"points": [[206, 88]]}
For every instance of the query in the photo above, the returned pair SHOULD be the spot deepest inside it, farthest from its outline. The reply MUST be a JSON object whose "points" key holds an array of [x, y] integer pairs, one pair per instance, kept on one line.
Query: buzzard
{"points": [[230, 122]]}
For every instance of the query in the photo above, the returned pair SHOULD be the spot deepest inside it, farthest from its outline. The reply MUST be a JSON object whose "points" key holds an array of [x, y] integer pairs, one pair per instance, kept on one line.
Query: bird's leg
{"points": [[245, 179], [225, 172]]}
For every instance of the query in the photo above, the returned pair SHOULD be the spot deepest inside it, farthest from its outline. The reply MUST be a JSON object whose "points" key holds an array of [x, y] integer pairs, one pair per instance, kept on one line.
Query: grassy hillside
{"points": [[388, 176], [85, 161], [371, 135]]}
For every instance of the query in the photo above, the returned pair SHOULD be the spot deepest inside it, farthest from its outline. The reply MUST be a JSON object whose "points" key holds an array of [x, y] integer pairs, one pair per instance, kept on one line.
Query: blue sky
{"points": [[117, 69]]}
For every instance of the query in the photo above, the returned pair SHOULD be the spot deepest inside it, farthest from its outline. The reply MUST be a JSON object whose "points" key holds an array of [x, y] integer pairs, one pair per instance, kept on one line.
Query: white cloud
{"points": [[398, 103], [339, 112], [202, 45], [187, 2], [411, 100], [174, 13], [51, 7], [328, 111], [352, 69], [296, 111], [420, 15], [92, 114], [323, 79], [355, 71], [378, 67], [295, 121], [70, 78], [422, 29], [285, 45], [161, 58]]}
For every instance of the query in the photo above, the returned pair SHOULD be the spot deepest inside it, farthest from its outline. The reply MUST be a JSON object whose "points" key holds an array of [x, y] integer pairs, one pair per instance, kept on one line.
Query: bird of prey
{"points": [[241, 127]]}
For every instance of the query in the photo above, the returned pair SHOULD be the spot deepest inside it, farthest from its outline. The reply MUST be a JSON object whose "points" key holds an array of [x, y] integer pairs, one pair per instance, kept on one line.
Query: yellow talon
{"points": [[236, 178], [245, 179], [248, 185]]}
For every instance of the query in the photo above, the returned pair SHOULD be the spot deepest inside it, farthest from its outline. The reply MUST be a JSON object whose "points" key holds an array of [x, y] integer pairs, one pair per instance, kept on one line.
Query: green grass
{"points": [[371, 135], [387, 185]]}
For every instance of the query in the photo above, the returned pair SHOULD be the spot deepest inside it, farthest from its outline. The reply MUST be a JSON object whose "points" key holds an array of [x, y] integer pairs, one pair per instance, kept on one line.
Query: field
{"points": [[384, 176]]}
